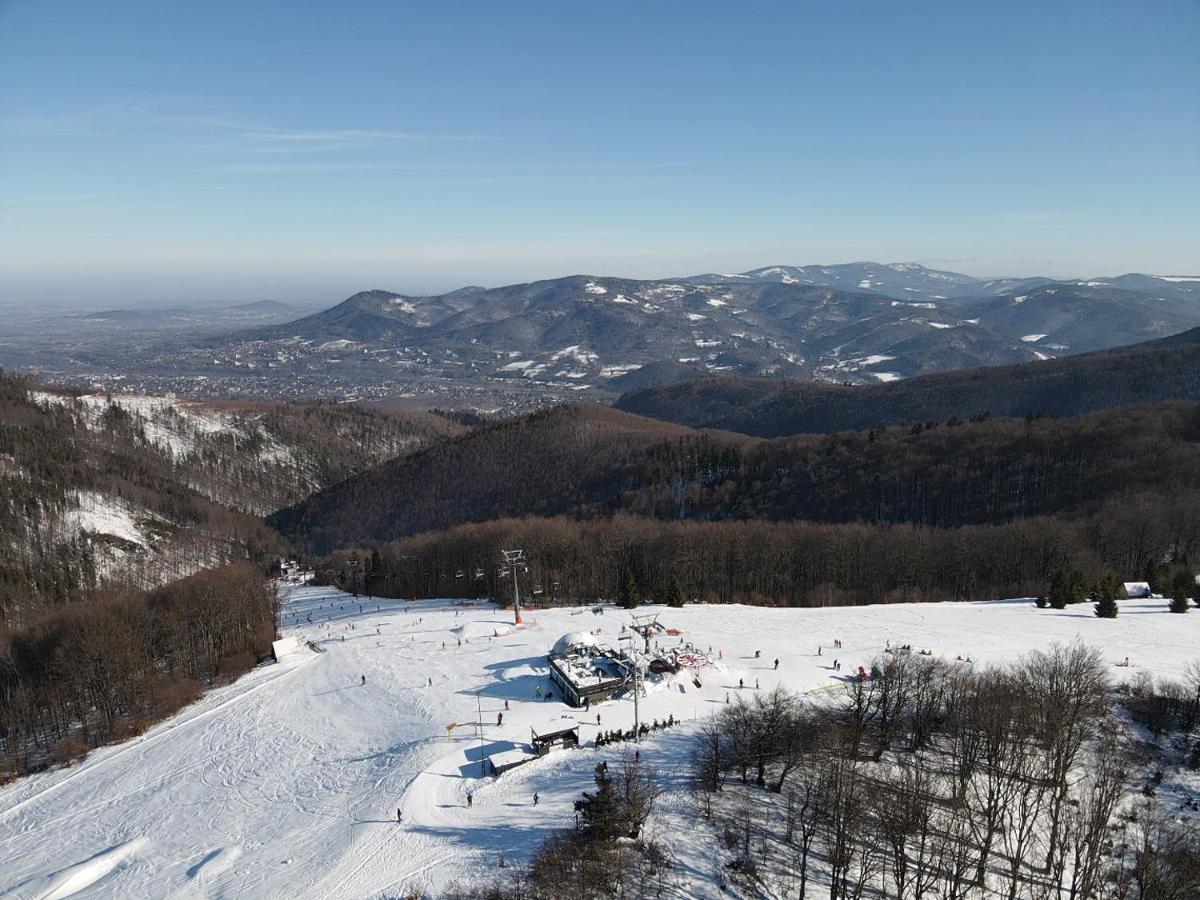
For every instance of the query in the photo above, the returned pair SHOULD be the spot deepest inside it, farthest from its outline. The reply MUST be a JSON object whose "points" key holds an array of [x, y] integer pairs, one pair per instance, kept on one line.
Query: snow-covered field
{"points": [[286, 783]]}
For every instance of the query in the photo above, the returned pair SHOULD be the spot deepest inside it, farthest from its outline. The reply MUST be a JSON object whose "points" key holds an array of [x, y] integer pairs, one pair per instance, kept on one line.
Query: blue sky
{"points": [[158, 151]]}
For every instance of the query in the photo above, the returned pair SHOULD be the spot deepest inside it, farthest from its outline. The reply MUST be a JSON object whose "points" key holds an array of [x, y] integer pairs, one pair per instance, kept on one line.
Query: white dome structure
{"points": [[574, 639]]}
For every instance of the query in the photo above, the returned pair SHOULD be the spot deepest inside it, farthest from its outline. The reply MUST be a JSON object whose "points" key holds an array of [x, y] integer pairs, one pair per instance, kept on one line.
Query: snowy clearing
{"points": [[286, 783]]}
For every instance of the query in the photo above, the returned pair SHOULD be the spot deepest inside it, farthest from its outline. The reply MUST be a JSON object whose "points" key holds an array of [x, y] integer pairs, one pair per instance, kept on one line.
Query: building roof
{"points": [[514, 756], [575, 639]]}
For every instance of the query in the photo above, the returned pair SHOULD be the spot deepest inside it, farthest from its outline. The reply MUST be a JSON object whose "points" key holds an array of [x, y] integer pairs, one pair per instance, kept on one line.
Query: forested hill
{"points": [[586, 461], [1167, 369], [134, 490], [565, 460]]}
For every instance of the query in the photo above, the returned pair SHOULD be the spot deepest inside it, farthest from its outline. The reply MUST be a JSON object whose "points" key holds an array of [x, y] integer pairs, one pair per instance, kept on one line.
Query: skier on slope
{"points": [[499, 718], [364, 679], [776, 664], [399, 814]]}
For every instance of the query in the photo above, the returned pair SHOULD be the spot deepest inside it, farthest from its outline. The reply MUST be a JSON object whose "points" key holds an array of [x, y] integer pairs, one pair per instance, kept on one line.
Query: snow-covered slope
{"points": [[286, 783]]}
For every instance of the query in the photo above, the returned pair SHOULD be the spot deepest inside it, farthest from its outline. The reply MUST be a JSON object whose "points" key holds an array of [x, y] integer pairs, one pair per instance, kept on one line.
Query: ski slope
{"points": [[286, 783]]}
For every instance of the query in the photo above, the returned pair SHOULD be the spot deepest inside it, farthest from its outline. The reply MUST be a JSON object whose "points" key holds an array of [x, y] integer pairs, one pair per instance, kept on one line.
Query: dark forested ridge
{"points": [[566, 460], [1167, 369], [589, 461], [140, 490], [993, 508]]}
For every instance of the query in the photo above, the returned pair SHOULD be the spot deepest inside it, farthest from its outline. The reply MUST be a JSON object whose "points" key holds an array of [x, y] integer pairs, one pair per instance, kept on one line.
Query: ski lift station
{"points": [[539, 745], [583, 668]]}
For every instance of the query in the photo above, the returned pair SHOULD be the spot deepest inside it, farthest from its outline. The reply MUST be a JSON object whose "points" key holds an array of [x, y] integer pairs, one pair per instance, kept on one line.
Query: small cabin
{"points": [[499, 763], [566, 738], [1134, 589]]}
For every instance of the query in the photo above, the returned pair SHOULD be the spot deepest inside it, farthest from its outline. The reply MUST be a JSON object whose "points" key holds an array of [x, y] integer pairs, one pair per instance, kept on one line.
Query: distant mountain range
{"points": [[1166, 369], [859, 322], [890, 279], [510, 349]]}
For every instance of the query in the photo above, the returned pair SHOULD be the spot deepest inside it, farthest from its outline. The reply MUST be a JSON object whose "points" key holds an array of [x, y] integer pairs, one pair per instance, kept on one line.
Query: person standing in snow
{"points": [[597, 719], [470, 799], [399, 814], [741, 683], [499, 718], [776, 664], [535, 798], [364, 679]]}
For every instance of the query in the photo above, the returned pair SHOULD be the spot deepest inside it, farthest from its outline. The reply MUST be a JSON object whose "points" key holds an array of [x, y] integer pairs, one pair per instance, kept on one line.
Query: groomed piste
{"points": [[288, 782]]}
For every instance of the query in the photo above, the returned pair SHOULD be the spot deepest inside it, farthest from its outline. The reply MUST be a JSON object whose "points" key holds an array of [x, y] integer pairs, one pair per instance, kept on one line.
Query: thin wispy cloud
{"points": [[1034, 217], [269, 134], [369, 166], [52, 200], [119, 116]]}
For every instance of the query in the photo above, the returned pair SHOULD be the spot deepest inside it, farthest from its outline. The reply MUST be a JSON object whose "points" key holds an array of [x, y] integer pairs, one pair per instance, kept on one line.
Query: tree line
{"points": [[86, 674], [770, 563]]}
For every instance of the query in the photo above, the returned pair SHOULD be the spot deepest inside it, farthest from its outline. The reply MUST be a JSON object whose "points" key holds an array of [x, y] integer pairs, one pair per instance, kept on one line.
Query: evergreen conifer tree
{"points": [[629, 593], [674, 597], [1183, 585], [1105, 595], [599, 810]]}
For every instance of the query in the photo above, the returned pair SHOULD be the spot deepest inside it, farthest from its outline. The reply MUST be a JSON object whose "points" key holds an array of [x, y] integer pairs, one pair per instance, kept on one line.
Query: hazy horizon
{"points": [[320, 293]]}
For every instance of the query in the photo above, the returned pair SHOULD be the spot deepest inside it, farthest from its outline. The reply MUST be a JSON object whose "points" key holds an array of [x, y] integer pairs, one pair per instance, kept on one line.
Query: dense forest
{"points": [[563, 460], [794, 563], [590, 461], [82, 675], [1167, 369], [134, 491]]}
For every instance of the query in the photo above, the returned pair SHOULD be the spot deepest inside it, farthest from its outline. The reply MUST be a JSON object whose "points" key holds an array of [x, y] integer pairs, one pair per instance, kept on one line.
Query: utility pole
{"points": [[634, 658], [513, 559]]}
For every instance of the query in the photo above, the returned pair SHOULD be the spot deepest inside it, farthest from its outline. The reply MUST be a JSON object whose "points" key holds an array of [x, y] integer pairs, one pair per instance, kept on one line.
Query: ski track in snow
{"points": [[286, 783]]}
